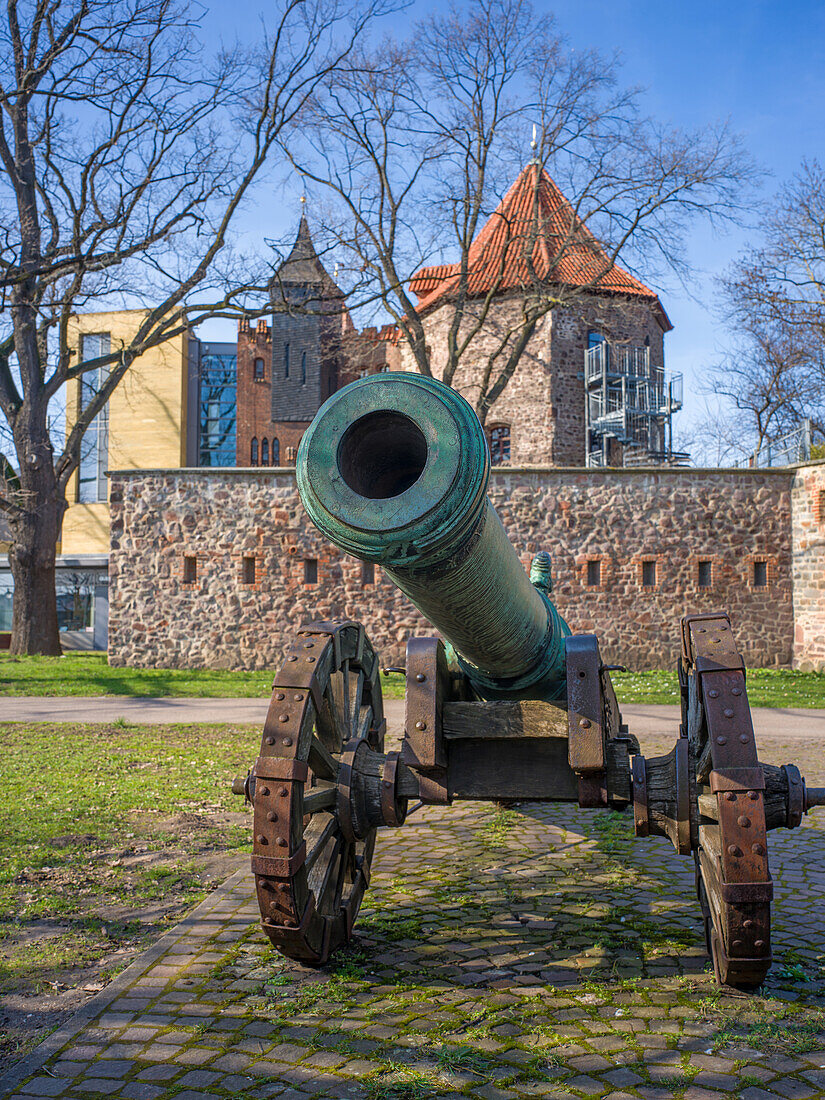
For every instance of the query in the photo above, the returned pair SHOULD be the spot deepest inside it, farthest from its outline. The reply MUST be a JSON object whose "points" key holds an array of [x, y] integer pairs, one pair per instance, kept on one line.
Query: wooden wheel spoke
{"points": [[335, 855], [322, 762], [322, 798], [364, 722], [339, 689], [318, 849], [343, 867], [356, 701]]}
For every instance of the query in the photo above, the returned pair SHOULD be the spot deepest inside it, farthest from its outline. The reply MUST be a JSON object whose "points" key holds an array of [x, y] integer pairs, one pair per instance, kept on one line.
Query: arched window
{"points": [[286, 360], [265, 452], [303, 368], [258, 370], [253, 451], [276, 451], [500, 445]]}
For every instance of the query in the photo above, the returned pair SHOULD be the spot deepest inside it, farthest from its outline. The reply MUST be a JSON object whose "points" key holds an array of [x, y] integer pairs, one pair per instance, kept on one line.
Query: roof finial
{"points": [[303, 202], [534, 144]]}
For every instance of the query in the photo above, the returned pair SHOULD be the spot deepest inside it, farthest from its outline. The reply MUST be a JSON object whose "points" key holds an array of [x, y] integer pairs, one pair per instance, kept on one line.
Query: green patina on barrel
{"points": [[394, 470]]}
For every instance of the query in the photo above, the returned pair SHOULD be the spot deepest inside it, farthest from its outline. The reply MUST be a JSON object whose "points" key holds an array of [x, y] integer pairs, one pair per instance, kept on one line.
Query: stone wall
{"points": [[671, 519], [809, 567]]}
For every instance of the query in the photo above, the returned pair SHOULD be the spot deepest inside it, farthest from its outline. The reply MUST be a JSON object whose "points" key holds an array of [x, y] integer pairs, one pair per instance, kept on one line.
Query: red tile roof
{"points": [[532, 236]]}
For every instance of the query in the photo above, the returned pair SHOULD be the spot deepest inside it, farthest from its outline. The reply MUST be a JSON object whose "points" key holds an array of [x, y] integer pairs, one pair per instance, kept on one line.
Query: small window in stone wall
{"points": [[649, 574], [258, 370], [248, 570], [253, 451], [367, 573], [276, 451], [310, 570], [594, 574], [190, 569], [500, 445], [760, 574], [705, 574], [265, 452]]}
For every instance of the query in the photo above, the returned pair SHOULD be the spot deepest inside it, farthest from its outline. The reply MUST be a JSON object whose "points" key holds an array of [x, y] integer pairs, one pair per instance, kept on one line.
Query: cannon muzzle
{"points": [[394, 470]]}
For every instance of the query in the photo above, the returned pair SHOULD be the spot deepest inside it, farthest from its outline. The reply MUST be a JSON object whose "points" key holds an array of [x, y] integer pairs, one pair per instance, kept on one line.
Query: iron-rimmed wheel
{"points": [[310, 873]]}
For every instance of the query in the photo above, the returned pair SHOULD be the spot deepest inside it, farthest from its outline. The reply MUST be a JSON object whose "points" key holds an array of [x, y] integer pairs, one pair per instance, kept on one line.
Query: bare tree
{"points": [[126, 156], [774, 301], [411, 144]]}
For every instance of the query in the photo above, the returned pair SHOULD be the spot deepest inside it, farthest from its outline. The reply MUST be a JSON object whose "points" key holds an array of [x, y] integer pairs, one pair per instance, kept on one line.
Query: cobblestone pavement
{"points": [[539, 951]]}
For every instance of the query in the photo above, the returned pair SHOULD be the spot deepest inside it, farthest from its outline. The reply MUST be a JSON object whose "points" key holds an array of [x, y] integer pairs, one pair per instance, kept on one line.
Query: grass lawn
{"points": [[90, 674], [108, 834]]}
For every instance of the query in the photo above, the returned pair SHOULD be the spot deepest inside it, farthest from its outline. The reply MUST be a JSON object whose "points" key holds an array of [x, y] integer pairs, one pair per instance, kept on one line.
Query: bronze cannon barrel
{"points": [[394, 470]]}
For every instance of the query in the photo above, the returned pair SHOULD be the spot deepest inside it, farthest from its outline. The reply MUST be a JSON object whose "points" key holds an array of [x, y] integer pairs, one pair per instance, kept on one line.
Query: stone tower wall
{"points": [[620, 519], [809, 567]]}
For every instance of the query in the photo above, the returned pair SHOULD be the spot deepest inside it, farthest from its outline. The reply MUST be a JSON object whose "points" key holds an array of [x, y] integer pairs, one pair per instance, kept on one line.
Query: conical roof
{"points": [[533, 236], [303, 267]]}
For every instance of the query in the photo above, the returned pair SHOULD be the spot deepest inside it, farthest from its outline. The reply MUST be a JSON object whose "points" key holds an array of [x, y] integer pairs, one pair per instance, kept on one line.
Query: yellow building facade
{"points": [[150, 421]]}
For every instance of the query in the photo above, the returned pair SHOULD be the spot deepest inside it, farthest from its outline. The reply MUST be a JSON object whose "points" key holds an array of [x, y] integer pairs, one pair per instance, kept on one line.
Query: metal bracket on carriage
{"points": [[423, 749]]}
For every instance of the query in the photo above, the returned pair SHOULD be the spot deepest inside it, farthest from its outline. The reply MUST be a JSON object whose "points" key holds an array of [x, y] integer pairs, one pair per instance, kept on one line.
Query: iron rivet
{"points": [[310, 660], [287, 741], [730, 796], [420, 677], [283, 718], [795, 781], [723, 628], [717, 640], [734, 850], [585, 723], [701, 630], [264, 791], [271, 816], [280, 695], [728, 712], [283, 887], [759, 943], [261, 838], [281, 842], [420, 725], [292, 658], [714, 694], [298, 698], [639, 824], [736, 943], [736, 691], [743, 737], [753, 795], [757, 849], [721, 740], [309, 645], [283, 792], [270, 740], [743, 821], [747, 925]]}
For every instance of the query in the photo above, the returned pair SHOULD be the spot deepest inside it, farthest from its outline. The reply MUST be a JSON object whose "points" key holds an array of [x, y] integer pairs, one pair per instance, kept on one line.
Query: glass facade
{"points": [[94, 448], [218, 401], [75, 601]]}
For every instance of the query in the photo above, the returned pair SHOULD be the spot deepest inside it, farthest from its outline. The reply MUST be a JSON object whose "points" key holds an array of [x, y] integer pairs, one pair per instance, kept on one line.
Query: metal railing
{"points": [[785, 451]]}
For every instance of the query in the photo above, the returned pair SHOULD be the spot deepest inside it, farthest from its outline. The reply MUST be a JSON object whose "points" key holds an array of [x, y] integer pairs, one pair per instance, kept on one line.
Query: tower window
{"points": [[594, 574], [276, 451], [265, 452], [649, 574], [760, 574], [253, 451], [303, 368], [500, 445], [286, 360], [258, 370], [190, 570], [249, 570], [705, 574], [310, 571]]}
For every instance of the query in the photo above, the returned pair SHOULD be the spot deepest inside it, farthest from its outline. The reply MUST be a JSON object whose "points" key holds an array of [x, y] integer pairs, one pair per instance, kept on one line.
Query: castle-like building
{"points": [[589, 389]]}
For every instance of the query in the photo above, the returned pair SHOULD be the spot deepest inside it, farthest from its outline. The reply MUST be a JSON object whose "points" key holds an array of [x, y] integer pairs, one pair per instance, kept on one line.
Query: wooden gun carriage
{"points": [[394, 470]]}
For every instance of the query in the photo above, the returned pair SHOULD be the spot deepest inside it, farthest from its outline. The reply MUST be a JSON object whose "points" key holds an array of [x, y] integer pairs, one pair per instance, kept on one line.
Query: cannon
{"points": [[504, 703]]}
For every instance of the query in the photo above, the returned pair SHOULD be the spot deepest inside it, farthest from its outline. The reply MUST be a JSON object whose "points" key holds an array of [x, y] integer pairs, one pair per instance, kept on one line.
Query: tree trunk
{"points": [[32, 555]]}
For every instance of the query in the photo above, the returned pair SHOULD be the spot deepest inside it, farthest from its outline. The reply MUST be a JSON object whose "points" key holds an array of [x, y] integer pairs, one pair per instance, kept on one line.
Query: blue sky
{"points": [[760, 63]]}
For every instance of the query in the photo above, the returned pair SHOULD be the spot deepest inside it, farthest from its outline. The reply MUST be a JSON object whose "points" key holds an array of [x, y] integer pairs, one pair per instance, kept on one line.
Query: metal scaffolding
{"points": [[631, 401]]}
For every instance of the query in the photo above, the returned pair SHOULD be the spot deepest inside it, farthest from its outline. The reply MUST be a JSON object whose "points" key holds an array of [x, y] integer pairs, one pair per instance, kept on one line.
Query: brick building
{"points": [[590, 387]]}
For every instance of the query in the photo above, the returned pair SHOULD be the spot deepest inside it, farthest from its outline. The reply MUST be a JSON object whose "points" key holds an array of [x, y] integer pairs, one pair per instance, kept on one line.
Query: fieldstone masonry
{"points": [[666, 541]]}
